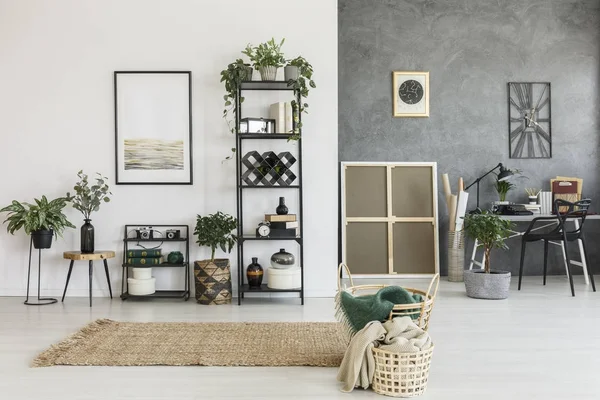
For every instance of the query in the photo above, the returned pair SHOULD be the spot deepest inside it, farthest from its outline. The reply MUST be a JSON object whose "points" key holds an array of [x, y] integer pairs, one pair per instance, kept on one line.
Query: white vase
{"points": [[268, 73]]}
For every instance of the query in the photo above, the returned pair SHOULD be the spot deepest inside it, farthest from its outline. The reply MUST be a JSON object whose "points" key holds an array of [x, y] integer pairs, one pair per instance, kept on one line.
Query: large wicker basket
{"points": [[422, 309], [401, 374]]}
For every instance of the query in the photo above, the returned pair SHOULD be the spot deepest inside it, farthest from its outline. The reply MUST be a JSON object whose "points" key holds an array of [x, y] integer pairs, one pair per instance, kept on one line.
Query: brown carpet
{"points": [[112, 343]]}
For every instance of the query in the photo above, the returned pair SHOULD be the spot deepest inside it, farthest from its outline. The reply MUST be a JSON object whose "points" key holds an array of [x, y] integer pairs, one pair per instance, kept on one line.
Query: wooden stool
{"points": [[78, 256]]}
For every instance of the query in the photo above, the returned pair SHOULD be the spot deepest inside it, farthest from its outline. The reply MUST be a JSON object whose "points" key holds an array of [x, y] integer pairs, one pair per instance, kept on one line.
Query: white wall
{"points": [[56, 117]]}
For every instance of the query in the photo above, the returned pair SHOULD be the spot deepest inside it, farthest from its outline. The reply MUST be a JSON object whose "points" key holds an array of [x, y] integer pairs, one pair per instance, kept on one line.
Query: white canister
{"points": [[141, 287], [142, 273], [284, 278]]}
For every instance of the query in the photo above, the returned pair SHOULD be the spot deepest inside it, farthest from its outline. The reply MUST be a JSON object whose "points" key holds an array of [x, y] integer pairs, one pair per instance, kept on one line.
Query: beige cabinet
{"points": [[390, 218]]}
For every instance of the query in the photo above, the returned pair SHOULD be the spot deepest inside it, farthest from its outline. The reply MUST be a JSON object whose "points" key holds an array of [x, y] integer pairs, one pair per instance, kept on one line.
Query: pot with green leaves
{"points": [[41, 220], [213, 276], [87, 199], [490, 231], [267, 58], [301, 85], [232, 77]]}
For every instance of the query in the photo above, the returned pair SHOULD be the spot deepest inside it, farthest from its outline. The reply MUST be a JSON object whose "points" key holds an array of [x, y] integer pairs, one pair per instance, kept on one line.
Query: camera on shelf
{"points": [[173, 233], [145, 232]]}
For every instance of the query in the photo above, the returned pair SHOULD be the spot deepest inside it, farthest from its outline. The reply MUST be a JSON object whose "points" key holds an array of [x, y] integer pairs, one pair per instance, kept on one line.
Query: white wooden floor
{"points": [[539, 344]]}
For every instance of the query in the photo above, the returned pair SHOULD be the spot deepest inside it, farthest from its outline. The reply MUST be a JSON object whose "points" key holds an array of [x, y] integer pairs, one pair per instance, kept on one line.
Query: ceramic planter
{"points": [[249, 71], [492, 286], [42, 239], [268, 73], [291, 72]]}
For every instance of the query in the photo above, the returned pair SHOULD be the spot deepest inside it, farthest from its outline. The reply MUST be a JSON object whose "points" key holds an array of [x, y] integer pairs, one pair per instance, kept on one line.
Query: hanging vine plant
{"points": [[236, 73], [301, 87]]}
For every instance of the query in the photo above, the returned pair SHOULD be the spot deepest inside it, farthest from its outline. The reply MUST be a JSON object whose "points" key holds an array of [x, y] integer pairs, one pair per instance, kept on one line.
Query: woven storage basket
{"points": [[422, 309], [401, 374], [456, 256]]}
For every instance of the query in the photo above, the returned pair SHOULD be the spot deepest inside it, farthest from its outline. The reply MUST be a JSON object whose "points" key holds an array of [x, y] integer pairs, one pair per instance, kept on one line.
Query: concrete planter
{"points": [[291, 72], [492, 286]]}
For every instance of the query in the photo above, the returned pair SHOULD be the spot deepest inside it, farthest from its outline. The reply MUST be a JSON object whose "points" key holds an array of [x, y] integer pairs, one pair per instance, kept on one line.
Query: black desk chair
{"points": [[559, 233]]}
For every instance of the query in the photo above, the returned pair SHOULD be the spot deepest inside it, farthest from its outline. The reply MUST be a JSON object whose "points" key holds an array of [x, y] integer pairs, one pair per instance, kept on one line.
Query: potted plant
{"points": [[233, 76], [300, 79], [503, 187], [490, 231], [267, 58], [213, 276], [87, 199], [41, 220]]}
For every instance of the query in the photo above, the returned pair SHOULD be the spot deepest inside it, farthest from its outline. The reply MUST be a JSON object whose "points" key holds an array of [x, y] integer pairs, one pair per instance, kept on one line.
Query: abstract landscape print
{"points": [[153, 154]]}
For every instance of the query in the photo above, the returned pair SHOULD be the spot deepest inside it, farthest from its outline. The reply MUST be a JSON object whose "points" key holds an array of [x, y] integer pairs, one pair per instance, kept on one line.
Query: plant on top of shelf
{"points": [[41, 220], [233, 76], [215, 231], [301, 84], [267, 58]]}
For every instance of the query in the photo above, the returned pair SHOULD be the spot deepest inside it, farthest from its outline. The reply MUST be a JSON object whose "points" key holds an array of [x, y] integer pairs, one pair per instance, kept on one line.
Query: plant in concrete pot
{"points": [[213, 277], [267, 58], [301, 82], [87, 199], [490, 231], [41, 220]]}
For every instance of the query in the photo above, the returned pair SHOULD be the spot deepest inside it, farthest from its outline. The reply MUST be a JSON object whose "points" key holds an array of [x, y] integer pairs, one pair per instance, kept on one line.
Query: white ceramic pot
{"points": [[284, 278], [268, 73], [141, 287], [142, 273]]}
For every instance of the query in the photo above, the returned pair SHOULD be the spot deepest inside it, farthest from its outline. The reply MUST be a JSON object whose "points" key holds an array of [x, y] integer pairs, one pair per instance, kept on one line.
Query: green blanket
{"points": [[360, 310]]}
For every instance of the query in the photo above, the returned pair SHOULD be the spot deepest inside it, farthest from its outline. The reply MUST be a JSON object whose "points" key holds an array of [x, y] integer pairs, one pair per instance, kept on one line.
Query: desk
{"points": [[529, 218]]}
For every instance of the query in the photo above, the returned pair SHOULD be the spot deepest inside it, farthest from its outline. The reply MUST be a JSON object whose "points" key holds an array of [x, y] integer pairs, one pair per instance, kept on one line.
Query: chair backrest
{"points": [[578, 210]]}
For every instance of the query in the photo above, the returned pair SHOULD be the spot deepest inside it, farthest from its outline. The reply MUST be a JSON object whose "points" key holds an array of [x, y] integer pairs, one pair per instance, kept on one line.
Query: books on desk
{"points": [[534, 208]]}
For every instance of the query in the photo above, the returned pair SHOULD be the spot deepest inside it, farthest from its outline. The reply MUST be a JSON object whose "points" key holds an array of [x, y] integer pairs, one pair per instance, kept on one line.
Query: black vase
{"points": [[87, 237], [254, 273], [281, 208]]}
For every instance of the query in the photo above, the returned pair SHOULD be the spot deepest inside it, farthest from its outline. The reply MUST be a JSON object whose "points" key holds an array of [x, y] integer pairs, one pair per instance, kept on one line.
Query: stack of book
{"points": [[283, 225], [144, 257], [534, 208]]}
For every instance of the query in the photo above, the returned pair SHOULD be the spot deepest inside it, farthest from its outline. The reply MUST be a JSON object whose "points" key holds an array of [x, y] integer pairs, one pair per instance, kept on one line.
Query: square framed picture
{"points": [[153, 127], [411, 94]]}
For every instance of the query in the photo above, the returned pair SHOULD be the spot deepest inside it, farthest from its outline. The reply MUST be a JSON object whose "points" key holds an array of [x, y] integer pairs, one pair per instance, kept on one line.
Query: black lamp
{"points": [[504, 175]]}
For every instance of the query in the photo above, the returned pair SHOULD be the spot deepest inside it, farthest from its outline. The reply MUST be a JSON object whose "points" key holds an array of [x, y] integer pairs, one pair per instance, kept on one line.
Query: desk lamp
{"points": [[505, 174]]}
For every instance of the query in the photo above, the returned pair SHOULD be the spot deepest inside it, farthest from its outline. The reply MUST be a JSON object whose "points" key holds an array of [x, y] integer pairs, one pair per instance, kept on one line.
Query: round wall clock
{"points": [[529, 120]]}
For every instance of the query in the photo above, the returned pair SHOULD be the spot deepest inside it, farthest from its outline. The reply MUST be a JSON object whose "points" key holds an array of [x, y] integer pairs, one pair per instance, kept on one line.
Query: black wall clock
{"points": [[529, 120]]}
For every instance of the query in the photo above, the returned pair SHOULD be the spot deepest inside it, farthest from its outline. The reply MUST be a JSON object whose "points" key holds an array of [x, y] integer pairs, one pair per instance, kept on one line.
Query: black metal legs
{"points": [[91, 274], [41, 301], [68, 279], [569, 265], [588, 266], [545, 260], [107, 277], [523, 246]]}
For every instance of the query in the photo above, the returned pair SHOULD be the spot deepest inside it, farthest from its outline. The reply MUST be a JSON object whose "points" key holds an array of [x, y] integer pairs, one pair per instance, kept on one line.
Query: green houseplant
{"points": [[490, 231], [213, 276], [87, 199], [41, 220], [301, 83], [232, 77], [503, 187], [267, 58]]}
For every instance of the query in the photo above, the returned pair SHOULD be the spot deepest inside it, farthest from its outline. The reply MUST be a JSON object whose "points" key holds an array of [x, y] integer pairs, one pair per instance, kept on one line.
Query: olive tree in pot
{"points": [[490, 231], [267, 58], [213, 277], [41, 220]]}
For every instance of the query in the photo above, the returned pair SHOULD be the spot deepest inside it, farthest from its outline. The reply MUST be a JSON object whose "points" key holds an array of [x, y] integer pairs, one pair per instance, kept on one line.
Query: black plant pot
{"points": [[42, 239], [87, 237]]}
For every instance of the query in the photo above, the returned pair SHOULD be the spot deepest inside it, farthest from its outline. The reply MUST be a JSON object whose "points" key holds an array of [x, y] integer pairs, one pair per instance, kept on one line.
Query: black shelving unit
{"points": [[164, 294], [242, 138]]}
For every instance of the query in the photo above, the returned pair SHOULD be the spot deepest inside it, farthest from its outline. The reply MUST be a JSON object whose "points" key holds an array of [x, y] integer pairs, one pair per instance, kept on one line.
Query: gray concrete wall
{"points": [[472, 48]]}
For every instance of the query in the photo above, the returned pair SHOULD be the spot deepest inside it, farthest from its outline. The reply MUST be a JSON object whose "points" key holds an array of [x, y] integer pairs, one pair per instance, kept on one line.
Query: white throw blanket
{"points": [[400, 335]]}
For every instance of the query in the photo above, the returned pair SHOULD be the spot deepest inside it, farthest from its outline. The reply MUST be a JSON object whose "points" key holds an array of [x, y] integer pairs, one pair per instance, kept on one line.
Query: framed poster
{"points": [[529, 120], [153, 127], [411, 94]]}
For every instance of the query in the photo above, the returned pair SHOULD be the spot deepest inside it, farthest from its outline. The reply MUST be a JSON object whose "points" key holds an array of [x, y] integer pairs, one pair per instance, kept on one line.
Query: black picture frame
{"points": [[529, 120], [187, 151]]}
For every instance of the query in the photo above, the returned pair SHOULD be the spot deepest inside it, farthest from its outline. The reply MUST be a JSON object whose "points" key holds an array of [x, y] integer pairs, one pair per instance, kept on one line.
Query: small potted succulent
{"points": [[490, 231], [214, 231], [41, 220], [300, 80], [87, 199], [267, 58]]}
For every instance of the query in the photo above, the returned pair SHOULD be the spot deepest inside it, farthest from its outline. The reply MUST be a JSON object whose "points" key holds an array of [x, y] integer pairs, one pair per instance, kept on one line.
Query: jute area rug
{"points": [[110, 343]]}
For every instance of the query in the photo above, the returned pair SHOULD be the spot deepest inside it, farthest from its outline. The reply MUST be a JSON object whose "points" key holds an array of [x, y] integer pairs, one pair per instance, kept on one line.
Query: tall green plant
{"points": [[215, 231], [43, 215], [489, 230], [87, 199], [301, 88], [267, 54]]}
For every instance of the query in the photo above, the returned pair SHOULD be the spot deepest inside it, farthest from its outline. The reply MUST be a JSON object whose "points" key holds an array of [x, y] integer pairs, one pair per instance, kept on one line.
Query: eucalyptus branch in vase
{"points": [[87, 199]]}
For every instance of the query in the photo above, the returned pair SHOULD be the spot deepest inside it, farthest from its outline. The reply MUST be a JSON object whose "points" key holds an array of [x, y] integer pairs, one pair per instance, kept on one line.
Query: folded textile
{"points": [[355, 312], [400, 335]]}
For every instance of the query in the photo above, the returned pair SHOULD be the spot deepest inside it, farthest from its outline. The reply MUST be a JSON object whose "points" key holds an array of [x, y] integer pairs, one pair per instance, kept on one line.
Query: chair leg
{"points": [[91, 273], [569, 265], [545, 260], [587, 263], [523, 245], [107, 277], [68, 279]]}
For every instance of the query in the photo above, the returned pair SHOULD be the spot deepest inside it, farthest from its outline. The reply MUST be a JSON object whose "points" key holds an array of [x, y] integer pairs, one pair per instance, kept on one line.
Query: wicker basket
{"points": [[401, 374], [422, 309], [456, 256]]}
